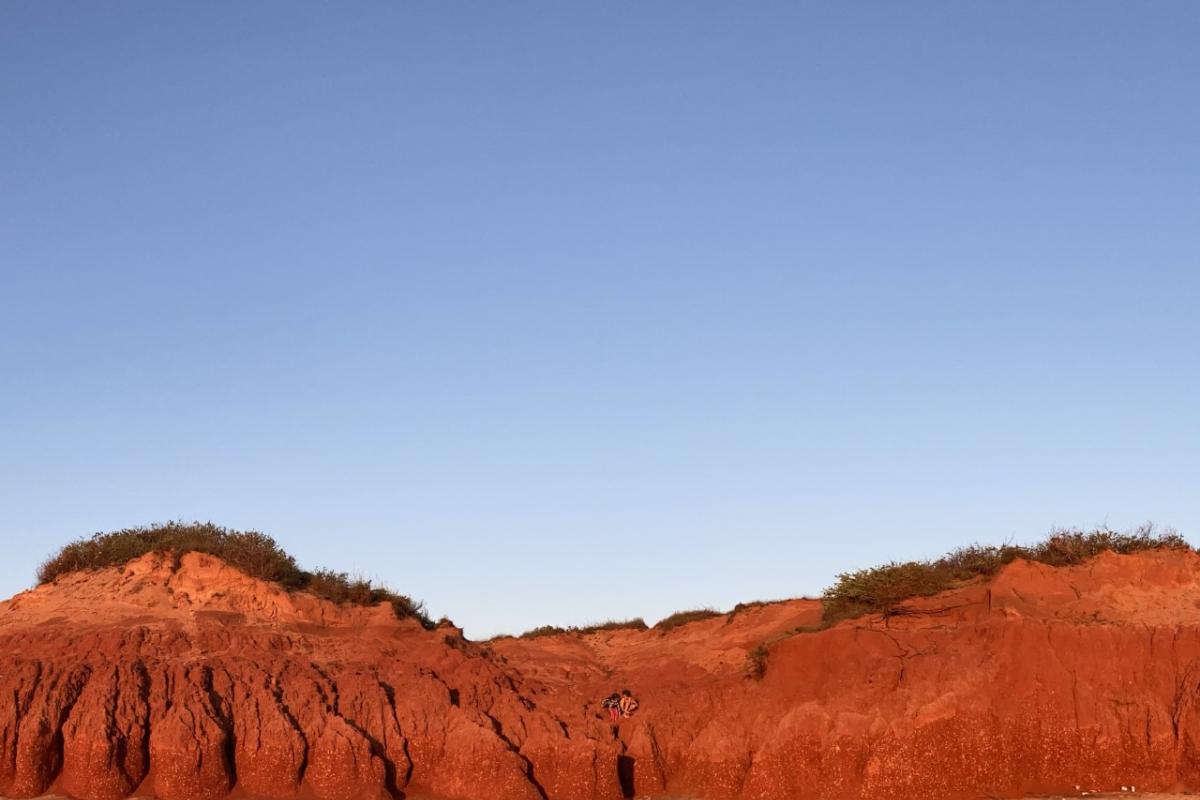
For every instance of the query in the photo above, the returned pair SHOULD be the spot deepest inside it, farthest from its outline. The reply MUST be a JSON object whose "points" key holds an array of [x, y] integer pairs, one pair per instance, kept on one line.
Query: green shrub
{"points": [[684, 617], [882, 589], [752, 604], [254, 553], [756, 663], [635, 624], [749, 606], [344, 590], [1065, 548], [544, 630]]}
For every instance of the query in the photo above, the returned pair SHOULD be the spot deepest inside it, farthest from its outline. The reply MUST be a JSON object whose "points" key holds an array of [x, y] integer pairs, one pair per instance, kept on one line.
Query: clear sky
{"points": [[553, 312]]}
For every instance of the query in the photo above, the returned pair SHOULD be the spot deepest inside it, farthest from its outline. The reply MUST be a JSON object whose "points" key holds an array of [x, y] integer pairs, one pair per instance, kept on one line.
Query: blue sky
{"points": [[555, 312]]}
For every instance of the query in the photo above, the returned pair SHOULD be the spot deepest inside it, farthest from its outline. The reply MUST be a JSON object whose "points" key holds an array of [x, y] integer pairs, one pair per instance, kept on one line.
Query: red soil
{"points": [[192, 682]]}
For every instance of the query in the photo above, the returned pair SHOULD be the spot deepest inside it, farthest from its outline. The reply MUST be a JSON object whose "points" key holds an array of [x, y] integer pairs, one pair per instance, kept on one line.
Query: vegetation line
{"points": [[881, 589], [875, 590], [684, 617], [254, 553], [884, 589], [635, 624]]}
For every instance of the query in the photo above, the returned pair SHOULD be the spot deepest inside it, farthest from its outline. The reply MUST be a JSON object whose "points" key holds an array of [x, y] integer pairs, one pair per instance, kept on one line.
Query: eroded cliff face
{"points": [[193, 681]]}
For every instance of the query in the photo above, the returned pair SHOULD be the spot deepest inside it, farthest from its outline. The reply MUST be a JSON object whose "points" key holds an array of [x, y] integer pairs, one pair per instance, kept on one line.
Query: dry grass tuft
{"points": [[880, 590], [680, 618], [254, 553], [635, 624], [756, 663]]}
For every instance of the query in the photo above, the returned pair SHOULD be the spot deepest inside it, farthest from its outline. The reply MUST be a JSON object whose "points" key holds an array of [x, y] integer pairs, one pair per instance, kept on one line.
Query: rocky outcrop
{"points": [[192, 681]]}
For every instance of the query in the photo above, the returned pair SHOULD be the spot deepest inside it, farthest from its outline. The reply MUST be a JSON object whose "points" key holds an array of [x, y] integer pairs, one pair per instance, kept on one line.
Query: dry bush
{"points": [[635, 624], [254, 553], [544, 630], [684, 617], [882, 589], [756, 663]]}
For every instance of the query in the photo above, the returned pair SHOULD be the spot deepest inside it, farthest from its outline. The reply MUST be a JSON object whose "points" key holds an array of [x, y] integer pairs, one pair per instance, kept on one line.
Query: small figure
{"points": [[627, 704], [613, 704]]}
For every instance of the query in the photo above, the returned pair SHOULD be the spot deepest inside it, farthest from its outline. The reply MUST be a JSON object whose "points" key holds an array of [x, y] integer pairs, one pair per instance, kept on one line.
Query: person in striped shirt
{"points": [[613, 704]]}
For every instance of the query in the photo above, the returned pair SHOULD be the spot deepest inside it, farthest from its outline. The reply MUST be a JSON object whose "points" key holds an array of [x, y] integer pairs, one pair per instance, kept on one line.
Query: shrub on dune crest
{"points": [[344, 590], [881, 589], [544, 630], [254, 553], [684, 617], [635, 624]]}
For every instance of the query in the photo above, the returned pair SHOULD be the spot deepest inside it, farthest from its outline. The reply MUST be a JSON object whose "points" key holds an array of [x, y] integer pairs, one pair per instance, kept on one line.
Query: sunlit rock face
{"points": [[189, 680]]}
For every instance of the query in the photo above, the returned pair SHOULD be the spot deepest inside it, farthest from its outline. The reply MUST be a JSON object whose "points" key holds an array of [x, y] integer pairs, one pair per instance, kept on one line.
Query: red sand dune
{"points": [[194, 682]]}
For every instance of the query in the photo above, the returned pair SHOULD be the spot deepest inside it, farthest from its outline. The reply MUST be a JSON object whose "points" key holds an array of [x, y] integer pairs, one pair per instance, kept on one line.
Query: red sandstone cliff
{"points": [[195, 682]]}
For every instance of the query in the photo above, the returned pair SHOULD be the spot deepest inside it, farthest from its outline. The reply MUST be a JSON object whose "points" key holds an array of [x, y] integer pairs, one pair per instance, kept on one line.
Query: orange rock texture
{"points": [[189, 680]]}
